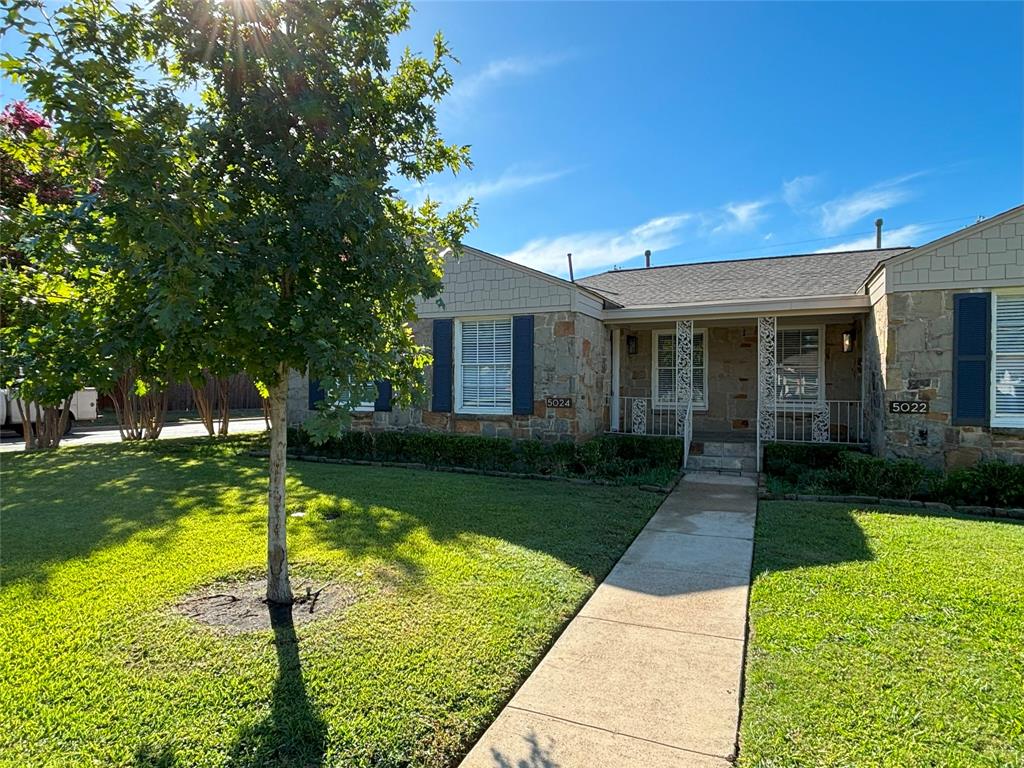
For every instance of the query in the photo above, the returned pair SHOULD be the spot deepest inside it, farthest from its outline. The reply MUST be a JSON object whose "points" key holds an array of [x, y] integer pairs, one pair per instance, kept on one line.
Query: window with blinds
{"points": [[799, 364], [664, 369], [484, 366], [1008, 360]]}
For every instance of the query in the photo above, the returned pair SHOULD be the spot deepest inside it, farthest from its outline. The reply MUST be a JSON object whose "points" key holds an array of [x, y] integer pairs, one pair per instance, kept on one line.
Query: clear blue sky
{"points": [[726, 130], [707, 131]]}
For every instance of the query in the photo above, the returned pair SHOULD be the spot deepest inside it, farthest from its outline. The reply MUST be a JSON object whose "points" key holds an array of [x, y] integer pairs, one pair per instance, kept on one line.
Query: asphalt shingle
{"points": [[777, 277]]}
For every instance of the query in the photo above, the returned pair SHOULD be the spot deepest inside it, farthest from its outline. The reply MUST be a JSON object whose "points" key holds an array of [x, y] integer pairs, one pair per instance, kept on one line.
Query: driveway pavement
{"points": [[83, 434], [649, 673]]}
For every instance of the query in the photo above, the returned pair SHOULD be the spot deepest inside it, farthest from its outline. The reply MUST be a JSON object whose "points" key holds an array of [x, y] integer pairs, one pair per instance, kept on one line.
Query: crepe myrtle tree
{"points": [[145, 224], [47, 332], [319, 263]]}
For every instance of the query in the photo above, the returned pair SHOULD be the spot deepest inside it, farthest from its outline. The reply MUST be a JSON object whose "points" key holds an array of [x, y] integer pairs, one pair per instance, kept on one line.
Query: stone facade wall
{"points": [[986, 257], [876, 338], [571, 359], [917, 364]]}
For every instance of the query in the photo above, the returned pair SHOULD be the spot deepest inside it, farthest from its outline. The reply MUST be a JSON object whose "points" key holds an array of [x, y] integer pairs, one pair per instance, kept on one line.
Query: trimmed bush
{"points": [[863, 474], [989, 484], [626, 458]]}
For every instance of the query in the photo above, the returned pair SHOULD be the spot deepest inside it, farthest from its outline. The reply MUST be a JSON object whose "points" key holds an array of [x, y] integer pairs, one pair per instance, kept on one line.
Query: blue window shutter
{"points": [[522, 365], [972, 357], [383, 401], [441, 391], [316, 394]]}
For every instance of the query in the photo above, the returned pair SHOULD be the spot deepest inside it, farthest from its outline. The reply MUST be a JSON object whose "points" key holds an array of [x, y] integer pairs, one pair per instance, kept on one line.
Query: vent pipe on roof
{"points": [[571, 278], [647, 258], [878, 233]]}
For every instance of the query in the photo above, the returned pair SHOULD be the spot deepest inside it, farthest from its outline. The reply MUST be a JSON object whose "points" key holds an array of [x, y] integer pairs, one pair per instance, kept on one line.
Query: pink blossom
{"points": [[19, 117]]}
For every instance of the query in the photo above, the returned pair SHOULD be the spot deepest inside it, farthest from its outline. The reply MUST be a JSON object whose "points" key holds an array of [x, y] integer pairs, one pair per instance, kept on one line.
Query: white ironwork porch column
{"points": [[684, 372], [766, 382]]}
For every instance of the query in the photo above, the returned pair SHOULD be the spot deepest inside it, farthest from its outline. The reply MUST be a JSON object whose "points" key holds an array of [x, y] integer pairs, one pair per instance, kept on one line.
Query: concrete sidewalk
{"points": [[648, 674]]}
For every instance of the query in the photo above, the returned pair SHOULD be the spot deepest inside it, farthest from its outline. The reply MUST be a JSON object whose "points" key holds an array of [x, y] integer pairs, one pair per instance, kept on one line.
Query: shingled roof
{"points": [[774, 277]]}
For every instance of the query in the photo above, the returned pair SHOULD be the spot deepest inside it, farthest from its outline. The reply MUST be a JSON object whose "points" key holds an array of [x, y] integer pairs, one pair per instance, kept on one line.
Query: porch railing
{"points": [[828, 421], [642, 416]]}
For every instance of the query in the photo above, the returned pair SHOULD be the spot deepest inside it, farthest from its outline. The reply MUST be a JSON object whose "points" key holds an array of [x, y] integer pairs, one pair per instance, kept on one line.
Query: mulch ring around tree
{"points": [[240, 606]]}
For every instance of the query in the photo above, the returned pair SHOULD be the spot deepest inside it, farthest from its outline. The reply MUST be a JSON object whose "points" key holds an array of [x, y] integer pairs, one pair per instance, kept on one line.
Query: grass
{"points": [[463, 582], [884, 639]]}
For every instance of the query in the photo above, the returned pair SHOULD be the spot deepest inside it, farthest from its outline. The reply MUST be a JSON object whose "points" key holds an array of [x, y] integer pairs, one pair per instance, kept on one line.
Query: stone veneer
{"points": [[913, 332], [571, 352]]}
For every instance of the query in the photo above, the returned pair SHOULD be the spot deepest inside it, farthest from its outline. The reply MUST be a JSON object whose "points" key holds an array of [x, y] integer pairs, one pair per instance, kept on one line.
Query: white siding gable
{"points": [[477, 285]]}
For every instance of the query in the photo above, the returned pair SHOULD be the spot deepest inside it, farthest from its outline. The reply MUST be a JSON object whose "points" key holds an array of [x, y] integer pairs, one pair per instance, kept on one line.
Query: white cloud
{"points": [[508, 181], [796, 190], [893, 238], [468, 88], [842, 212], [740, 217], [593, 251]]}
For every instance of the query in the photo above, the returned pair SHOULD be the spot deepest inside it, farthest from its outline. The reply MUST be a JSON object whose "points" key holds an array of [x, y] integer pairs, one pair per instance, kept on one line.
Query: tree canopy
{"points": [[247, 214]]}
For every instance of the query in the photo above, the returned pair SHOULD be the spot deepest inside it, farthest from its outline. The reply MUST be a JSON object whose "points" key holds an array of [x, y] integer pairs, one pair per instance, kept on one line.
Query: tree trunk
{"points": [[26, 425], [224, 403], [203, 406], [278, 588]]}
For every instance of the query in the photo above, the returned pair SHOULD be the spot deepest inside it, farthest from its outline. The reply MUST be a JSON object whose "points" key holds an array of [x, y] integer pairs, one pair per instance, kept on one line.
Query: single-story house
{"points": [[910, 352]]}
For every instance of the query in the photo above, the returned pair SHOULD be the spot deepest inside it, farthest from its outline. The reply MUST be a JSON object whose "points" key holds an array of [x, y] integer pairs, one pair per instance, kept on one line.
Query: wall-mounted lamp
{"points": [[847, 341], [632, 344]]}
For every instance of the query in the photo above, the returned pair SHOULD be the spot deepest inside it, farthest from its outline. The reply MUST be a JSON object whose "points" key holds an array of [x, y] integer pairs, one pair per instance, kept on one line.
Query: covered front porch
{"points": [[740, 380]]}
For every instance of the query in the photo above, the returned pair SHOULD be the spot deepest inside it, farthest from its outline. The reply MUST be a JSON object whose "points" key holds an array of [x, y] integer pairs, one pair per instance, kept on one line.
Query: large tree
{"points": [[294, 250]]}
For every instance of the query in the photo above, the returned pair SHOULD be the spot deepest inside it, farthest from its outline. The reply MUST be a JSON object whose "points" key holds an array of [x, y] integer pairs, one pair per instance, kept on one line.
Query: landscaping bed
{"points": [[804, 470], [443, 590], [882, 638], [614, 459]]}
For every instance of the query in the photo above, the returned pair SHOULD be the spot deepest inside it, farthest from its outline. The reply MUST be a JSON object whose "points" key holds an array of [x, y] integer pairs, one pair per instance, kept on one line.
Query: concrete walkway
{"points": [[648, 674]]}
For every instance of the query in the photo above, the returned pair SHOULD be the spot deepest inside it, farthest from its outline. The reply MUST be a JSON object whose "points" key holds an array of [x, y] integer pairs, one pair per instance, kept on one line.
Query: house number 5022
{"points": [[908, 406]]}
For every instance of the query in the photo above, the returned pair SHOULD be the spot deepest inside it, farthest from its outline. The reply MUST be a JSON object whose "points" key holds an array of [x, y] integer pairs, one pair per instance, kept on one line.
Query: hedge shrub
{"points": [[989, 484], [612, 457], [830, 469]]}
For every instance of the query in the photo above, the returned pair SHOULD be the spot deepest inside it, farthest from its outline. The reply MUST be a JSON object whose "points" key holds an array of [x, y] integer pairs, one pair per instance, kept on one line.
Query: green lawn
{"points": [[884, 639], [462, 580]]}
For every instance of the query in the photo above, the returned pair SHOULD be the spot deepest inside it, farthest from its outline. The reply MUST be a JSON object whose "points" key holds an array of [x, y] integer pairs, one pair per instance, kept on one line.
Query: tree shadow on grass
{"points": [[71, 504], [294, 733], [793, 535]]}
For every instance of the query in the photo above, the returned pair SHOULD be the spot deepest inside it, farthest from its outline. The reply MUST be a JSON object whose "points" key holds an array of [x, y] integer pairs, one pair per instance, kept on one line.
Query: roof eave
{"points": [[797, 305]]}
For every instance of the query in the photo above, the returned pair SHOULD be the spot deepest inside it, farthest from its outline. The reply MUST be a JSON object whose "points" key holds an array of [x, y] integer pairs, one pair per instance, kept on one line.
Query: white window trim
{"points": [[802, 405], [658, 404], [995, 420], [477, 411]]}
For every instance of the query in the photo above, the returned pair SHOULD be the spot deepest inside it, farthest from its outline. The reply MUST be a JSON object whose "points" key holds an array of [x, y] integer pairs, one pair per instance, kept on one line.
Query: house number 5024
{"points": [[908, 406], [558, 402]]}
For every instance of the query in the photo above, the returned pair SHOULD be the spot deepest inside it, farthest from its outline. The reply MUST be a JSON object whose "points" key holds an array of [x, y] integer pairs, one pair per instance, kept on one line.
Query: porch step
{"points": [[726, 456]]}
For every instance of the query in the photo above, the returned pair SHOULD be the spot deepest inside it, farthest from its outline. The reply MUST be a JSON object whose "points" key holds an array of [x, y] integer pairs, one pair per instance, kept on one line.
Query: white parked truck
{"points": [[83, 408]]}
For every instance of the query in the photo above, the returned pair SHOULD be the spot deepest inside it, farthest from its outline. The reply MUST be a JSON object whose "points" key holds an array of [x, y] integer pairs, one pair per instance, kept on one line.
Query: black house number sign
{"points": [[908, 406], [558, 402]]}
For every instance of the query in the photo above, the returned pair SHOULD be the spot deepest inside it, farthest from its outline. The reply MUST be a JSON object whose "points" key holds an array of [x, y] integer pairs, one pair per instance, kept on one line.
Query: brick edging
{"points": [[473, 471], [936, 506]]}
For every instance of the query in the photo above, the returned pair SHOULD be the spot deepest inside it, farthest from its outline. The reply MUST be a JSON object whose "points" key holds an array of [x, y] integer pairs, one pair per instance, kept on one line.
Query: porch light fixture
{"points": [[632, 344], [847, 341]]}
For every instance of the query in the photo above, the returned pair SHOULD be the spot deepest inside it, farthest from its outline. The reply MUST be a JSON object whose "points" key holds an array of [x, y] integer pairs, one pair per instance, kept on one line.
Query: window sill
{"points": [[482, 412], [1007, 423]]}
